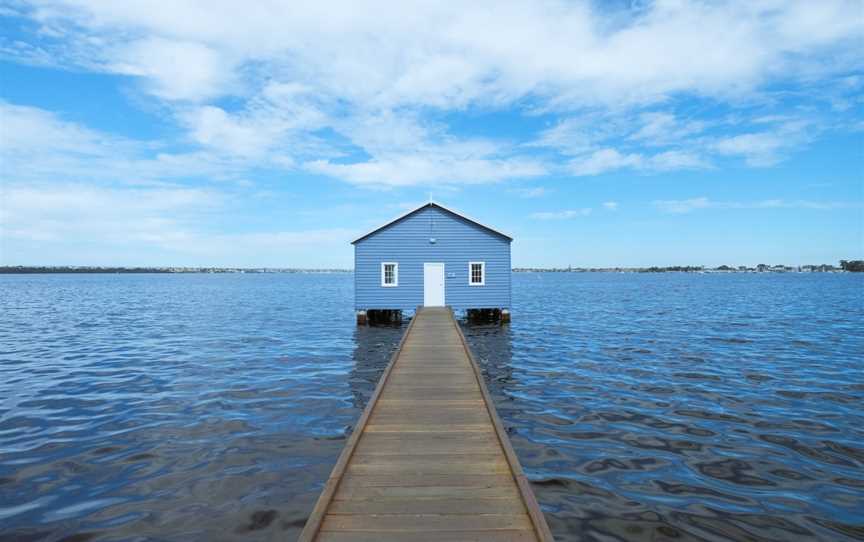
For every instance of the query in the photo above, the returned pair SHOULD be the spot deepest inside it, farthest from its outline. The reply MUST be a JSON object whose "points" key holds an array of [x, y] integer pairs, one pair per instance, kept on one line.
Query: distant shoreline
{"points": [[824, 268], [846, 266], [24, 269]]}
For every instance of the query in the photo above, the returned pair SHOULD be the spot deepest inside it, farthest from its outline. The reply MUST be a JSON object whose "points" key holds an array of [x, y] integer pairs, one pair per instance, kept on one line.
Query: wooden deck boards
{"points": [[429, 459]]}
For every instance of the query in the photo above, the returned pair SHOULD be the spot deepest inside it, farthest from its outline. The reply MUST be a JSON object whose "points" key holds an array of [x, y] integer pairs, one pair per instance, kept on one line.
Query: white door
{"points": [[433, 284]]}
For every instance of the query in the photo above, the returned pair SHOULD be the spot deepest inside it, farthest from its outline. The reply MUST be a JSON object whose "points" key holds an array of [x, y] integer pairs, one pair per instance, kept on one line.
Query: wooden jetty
{"points": [[429, 459]]}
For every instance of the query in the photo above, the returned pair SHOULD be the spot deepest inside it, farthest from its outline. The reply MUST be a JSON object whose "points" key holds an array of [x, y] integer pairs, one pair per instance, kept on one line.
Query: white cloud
{"points": [[405, 151], [578, 138], [68, 211], [682, 206], [689, 205], [534, 192], [176, 70], [55, 224], [605, 160], [213, 127], [276, 123], [766, 148], [360, 69], [561, 215], [37, 146], [610, 205], [759, 149], [573, 136], [28, 128], [447, 55], [425, 168], [676, 160], [794, 204], [662, 128]]}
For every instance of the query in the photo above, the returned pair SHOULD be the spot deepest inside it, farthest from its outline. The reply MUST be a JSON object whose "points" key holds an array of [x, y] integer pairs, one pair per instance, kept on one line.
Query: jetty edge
{"points": [[429, 458]]}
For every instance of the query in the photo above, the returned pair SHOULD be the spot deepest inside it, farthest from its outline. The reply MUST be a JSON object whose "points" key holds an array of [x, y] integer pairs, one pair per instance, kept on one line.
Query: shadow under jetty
{"points": [[492, 345], [373, 347], [380, 317], [487, 316]]}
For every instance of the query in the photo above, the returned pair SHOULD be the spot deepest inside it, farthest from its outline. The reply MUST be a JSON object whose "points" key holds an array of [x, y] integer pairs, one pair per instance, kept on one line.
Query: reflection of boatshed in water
{"points": [[432, 256]]}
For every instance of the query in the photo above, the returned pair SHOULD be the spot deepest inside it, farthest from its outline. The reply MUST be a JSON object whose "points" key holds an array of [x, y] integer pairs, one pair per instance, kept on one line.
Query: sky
{"points": [[271, 133]]}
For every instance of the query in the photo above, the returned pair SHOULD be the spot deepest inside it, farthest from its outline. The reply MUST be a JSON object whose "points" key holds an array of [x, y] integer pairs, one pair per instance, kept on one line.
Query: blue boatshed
{"points": [[432, 256]]}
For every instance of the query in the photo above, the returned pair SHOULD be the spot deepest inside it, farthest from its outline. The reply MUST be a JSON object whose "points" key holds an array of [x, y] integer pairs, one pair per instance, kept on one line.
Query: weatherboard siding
{"points": [[458, 241]]}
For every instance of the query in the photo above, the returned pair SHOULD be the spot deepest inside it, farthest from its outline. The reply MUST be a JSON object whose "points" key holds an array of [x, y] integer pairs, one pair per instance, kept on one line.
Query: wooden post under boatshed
{"points": [[432, 256]]}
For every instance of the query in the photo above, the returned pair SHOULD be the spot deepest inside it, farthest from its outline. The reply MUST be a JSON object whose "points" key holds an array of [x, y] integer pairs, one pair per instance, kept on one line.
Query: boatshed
{"points": [[432, 256]]}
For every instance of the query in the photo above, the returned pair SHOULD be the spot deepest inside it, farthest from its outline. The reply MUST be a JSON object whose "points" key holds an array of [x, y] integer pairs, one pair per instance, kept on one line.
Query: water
{"points": [[643, 407], [686, 407]]}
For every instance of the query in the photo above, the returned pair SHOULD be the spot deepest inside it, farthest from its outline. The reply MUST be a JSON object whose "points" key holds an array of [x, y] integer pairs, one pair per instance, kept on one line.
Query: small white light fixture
{"points": [[432, 240]]}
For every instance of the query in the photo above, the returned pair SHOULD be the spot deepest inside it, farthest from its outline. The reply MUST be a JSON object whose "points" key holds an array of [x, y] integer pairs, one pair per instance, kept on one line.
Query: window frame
{"points": [[395, 282], [482, 274]]}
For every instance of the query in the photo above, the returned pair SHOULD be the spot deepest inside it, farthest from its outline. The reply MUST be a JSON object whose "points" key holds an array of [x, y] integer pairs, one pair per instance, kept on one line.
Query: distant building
{"points": [[432, 256]]}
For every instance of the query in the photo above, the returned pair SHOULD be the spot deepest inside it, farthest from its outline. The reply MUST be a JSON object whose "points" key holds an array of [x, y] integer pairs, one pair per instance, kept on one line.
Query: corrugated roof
{"points": [[432, 204]]}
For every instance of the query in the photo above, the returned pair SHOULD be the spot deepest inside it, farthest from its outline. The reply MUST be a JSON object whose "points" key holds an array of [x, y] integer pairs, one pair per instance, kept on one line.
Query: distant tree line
{"points": [[52, 269], [32, 269], [854, 266], [845, 265], [673, 268]]}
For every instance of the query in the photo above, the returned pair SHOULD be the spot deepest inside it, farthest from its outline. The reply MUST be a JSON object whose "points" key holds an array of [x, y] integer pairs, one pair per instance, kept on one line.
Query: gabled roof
{"points": [[432, 204]]}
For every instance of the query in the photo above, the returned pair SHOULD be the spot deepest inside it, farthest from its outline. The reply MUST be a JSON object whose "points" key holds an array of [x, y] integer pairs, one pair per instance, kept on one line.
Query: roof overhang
{"points": [[432, 204]]}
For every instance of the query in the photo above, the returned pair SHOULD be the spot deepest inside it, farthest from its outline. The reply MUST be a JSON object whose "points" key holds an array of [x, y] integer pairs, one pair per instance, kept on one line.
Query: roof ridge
{"points": [[432, 203]]}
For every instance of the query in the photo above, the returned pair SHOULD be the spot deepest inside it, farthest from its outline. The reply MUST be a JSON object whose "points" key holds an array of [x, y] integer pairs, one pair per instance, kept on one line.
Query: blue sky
{"points": [[271, 133]]}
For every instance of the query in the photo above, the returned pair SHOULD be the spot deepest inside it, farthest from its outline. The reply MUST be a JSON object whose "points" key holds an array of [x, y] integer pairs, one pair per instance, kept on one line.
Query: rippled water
{"points": [[686, 407], [643, 407]]}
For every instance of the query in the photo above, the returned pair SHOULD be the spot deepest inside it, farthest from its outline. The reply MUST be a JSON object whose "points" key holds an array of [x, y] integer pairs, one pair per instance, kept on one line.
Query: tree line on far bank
{"points": [[855, 266]]}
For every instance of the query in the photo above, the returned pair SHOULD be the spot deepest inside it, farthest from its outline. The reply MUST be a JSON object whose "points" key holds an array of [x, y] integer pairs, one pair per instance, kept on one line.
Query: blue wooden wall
{"points": [[458, 241]]}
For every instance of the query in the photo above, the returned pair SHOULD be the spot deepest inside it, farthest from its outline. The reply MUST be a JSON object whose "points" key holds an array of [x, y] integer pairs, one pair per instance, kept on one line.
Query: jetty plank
{"points": [[417, 536], [429, 459]]}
